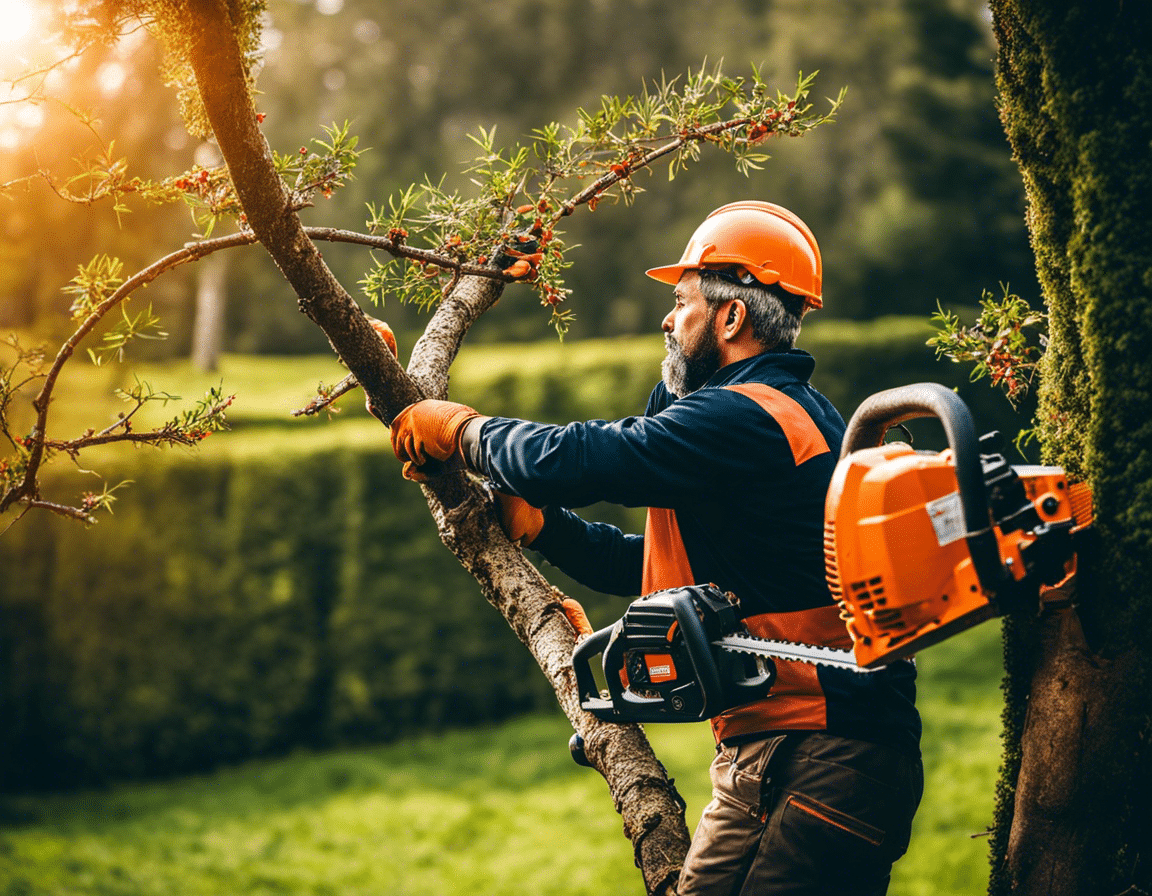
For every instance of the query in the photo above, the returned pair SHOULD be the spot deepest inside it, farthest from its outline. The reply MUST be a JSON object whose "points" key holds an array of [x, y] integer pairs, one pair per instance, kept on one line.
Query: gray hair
{"points": [[773, 312]]}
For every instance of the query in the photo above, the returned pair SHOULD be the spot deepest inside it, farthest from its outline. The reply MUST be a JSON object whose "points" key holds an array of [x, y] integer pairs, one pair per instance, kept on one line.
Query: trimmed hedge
{"points": [[231, 610], [241, 606]]}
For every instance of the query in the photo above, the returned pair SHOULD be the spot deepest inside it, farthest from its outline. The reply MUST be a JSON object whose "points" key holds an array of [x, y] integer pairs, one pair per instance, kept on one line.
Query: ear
{"points": [[732, 320]]}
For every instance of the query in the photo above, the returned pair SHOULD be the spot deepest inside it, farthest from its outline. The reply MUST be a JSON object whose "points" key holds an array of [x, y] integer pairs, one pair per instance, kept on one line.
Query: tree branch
{"points": [[617, 173], [436, 349], [464, 515], [27, 488], [403, 250]]}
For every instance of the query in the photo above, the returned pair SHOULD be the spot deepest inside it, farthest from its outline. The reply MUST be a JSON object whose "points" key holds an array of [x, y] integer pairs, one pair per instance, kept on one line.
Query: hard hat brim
{"points": [[670, 273]]}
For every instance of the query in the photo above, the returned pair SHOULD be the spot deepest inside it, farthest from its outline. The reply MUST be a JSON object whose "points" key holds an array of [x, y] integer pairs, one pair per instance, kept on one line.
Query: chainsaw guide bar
{"points": [[791, 650]]}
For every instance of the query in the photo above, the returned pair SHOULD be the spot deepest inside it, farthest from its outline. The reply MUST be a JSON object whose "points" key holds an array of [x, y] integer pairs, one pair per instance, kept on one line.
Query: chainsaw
{"points": [[918, 546]]}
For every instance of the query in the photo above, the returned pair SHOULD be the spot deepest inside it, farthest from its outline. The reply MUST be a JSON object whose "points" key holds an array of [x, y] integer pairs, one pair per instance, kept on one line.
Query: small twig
{"points": [[320, 402], [447, 291], [43, 73], [623, 172], [19, 180], [166, 434], [402, 250], [15, 520], [75, 513]]}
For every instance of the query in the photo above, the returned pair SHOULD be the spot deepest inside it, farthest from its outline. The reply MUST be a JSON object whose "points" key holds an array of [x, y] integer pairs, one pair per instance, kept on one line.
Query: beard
{"points": [[685, 372]]}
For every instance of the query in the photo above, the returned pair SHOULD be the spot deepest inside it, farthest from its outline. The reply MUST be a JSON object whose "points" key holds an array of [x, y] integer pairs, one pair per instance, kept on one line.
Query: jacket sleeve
{"points": [[596, 555], [694, 448]]}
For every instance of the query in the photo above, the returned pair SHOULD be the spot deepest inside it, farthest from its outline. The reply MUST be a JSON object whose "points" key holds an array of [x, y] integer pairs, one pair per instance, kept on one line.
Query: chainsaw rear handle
{"points": [[622, 704], [582, 655], [879, 412], [702, 696]]}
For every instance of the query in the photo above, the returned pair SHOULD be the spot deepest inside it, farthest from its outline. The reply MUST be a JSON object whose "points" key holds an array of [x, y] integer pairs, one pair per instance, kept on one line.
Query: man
{"points": [[815, 786]]}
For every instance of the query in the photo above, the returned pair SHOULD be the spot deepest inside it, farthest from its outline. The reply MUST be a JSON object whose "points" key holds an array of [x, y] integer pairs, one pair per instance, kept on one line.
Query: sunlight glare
{"points": [[16, 20]]}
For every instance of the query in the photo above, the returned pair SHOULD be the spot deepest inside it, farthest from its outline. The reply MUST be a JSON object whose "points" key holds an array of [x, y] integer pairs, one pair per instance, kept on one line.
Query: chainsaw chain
{"points": [[812, 654]]}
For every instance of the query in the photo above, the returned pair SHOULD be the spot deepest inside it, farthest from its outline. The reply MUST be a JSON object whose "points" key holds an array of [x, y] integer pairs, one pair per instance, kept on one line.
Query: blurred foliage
{"points": [[291, 600], [288, 588], [911, 192]]}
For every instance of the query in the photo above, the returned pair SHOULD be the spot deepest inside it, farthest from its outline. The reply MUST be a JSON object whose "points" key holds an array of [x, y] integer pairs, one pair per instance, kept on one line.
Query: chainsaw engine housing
{"points": [[899, 552]]}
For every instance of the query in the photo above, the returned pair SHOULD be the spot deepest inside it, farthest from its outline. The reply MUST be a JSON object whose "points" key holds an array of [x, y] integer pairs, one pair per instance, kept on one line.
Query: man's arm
{"points": [[596, 555], [695, 449]]}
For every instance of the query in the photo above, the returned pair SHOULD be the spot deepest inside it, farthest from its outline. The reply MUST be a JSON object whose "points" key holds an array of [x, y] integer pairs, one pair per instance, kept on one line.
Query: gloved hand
{"points": [[385, 333], [520, 521], [428, 430], [576, 617]]}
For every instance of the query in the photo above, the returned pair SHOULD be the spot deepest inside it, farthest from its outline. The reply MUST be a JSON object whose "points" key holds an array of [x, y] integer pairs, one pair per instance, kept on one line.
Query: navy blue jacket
{"points": [[734, 476]]}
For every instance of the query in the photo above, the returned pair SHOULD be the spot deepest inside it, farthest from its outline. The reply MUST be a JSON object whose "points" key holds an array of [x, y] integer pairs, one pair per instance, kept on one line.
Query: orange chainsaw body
{"points": [[896, 551]]}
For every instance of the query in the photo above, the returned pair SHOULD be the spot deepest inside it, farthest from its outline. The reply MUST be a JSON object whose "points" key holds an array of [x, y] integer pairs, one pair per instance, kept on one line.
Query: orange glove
{"points": [[520, 521], [385, 333], [576, 617], [428, 430]]}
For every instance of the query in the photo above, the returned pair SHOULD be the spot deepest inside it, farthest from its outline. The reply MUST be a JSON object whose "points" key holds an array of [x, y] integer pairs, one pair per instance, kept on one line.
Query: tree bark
{"points": [[652, 812], [1073, 819], [1075, 82]]}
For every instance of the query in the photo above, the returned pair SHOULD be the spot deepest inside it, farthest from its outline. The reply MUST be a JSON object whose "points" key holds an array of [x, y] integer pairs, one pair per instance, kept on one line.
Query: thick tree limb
{"points": [[653, 817], [436, 349]]}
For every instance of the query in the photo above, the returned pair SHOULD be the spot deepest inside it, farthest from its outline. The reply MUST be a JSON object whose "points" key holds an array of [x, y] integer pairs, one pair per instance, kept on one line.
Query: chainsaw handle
{"points": [[622, 703], [879, 412], [704, 695], [699, 653], [585, 650]]}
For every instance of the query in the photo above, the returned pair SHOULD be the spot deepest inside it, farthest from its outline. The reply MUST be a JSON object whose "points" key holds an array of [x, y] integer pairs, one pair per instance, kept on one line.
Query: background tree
{"points": [[211, 306], [1075, 84]]}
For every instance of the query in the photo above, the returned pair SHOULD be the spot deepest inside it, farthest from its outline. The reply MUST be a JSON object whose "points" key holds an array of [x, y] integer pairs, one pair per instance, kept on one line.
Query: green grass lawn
{"points": [[495, 811]]}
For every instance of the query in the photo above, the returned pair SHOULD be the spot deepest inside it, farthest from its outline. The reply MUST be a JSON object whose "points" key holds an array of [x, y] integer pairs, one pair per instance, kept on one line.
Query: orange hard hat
{"points": [[768, 241]]}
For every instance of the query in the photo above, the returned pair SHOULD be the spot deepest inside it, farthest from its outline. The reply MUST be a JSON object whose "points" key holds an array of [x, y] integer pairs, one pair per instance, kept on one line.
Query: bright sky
{"points": [[24, 47], [17, 25], [16, 20]]}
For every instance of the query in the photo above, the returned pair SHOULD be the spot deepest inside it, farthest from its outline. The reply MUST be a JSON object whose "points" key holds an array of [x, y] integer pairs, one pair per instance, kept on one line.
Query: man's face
{"points": [[690, 337]]}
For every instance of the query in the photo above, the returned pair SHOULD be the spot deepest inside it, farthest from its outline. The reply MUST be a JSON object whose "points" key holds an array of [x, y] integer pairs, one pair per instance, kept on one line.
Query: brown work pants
{"points": [[803, 814]]}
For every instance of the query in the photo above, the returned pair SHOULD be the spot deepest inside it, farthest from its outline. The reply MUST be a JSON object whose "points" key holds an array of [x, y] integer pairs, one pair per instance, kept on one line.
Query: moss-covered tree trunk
{"points": [[1075, 81]]}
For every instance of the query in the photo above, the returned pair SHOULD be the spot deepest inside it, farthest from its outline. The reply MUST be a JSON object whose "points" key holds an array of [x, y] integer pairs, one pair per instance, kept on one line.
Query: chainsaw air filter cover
{"points": [[895, 553]]}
